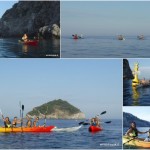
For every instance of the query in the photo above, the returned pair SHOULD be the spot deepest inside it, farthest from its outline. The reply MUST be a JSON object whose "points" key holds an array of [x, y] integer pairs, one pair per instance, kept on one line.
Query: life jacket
{"points": [[134, 133], [7, 125]]}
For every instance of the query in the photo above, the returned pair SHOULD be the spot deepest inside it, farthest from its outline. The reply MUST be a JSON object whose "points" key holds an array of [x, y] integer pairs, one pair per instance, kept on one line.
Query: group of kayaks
{"points": [[47, 129]]}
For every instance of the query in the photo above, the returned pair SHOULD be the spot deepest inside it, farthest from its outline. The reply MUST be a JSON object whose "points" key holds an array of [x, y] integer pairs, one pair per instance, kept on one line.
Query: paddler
{"points": [[36, 122], [7, 122], [133, 131], [25, 38], [29, 122], [15, 122]]}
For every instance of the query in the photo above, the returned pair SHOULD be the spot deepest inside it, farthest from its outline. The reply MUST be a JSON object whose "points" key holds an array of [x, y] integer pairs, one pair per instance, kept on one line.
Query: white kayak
{"points": [[71, 129]]}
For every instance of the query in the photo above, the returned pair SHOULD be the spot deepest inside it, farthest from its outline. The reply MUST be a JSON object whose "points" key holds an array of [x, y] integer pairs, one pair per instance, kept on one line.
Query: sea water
{"points": [[135, 97], [105, 47], [109, 138], [11, 48]]}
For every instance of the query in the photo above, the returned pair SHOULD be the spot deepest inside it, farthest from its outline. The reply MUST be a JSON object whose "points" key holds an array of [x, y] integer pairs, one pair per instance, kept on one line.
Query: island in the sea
{"points": [[57, 109]]}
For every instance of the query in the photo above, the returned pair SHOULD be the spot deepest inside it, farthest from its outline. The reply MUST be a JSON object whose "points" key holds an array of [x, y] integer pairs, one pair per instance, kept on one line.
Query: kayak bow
{"points": [[94, 128]]}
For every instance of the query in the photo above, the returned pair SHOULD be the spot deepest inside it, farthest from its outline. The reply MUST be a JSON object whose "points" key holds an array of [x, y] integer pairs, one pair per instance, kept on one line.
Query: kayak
{"points": [[26, 129], [29, 42], [94, 128], [138, 142], [71, 129]]}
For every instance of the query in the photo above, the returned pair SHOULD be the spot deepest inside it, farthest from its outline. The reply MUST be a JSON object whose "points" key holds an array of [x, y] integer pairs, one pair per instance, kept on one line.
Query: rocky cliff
{"points": [[57, 109], [32, 18], [127, 73], [128, 118]]}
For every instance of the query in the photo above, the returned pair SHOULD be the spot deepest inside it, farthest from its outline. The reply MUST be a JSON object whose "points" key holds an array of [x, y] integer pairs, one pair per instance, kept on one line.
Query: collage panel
{"points": [[136, 131], [136, 82], [74, 104], [105, 29], [29, 29]]}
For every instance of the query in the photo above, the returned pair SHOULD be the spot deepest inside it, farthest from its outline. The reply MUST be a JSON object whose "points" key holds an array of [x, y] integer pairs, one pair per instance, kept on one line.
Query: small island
{"points": [[57, 109]]}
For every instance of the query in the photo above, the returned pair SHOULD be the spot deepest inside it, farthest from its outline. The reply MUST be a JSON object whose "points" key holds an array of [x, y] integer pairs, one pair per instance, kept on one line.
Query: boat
{"points": [[29, 42], [71, 129], [75, 36], [140, 37], [95, 128], [138, 142], [27, 129], [120, 37]]}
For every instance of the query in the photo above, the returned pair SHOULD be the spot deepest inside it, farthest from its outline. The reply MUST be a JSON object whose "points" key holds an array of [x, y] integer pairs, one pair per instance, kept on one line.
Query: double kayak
{"points": [[137, 142], [71, 129], [94, 128], [26, 129], [29, 42]]}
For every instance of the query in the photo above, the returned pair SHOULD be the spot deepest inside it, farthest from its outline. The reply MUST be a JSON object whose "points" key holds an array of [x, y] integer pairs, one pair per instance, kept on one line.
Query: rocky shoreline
{"points": [[35, 18]]}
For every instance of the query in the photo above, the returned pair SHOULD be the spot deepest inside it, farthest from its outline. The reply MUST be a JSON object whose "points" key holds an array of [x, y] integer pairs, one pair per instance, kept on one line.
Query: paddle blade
{"points": [[104, 112], [107, 122], [23, 107], [81, 122], [86, 123]]}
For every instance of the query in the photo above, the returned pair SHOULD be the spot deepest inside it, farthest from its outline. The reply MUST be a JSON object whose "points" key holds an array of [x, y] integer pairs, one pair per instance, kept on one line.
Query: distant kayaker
{"points": [[36, 122], [29, 122], [133, 131], [15, 122], [25, 38], [7, 122]]}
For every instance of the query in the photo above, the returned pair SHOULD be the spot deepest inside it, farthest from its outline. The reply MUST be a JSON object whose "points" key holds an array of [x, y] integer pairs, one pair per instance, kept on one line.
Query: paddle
{"points": [[45, 117], [86, 123], [22, 115], [128, 141], [82, 122], [20, 108], [1, 114]]}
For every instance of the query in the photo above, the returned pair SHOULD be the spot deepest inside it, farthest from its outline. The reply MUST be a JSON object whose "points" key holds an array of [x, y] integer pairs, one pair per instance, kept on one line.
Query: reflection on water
{"points": [[135, 96], [10, 48]]}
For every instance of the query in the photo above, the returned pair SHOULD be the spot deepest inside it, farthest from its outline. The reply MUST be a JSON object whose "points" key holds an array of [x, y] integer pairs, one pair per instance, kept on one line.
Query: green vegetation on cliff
{"points": [[51, 107]]}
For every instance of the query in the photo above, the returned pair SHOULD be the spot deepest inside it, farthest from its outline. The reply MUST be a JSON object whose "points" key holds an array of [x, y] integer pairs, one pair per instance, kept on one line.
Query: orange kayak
{"points": [[26, 129]]}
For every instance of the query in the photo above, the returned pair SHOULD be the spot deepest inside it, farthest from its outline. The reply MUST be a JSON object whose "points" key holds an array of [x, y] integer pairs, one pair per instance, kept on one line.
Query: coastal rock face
{"points": [[128, 118], [30, 17], [127, 73], [57, 109]]}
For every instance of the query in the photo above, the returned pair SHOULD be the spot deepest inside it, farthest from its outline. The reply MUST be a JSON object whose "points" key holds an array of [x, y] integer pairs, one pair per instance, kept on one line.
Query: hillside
{"points": [[128, 118], [32, 18], [57, 109]]}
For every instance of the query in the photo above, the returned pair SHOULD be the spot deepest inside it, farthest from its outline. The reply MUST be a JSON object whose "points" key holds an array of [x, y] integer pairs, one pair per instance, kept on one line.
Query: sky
{"points": [[92, 85], [144, 67], [139, 111], [4, 5], [105, 18]]}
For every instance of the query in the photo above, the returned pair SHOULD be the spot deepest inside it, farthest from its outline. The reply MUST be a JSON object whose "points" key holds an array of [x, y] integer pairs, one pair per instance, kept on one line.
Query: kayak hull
{"points": [[95, 129], [30, 42], [139, 142], [26, 129]]}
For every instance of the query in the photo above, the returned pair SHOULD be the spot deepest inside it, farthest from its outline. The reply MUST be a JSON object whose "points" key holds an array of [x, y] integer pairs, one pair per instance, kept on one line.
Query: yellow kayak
{"points": [[138, 142]]}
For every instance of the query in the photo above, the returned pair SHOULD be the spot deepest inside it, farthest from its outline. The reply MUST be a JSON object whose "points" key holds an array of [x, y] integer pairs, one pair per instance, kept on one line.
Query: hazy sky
{"points": [[144, 67], [139, 111], [105, 18], [4, 5], [91, 85]]}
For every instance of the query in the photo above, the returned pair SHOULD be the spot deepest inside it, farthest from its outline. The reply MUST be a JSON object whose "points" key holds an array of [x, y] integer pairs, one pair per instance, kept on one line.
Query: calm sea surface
{"points": [[140, 136], [135, 97], [105, 47], [10, 48], [109, 138]]}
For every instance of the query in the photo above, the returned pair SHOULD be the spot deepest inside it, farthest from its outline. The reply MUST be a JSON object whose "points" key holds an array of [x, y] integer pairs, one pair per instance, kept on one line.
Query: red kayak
{"points": [[30, 42], [94, 128]]}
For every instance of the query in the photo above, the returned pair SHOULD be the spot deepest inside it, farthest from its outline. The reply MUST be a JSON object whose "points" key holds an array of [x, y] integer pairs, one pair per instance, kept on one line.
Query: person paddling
{"points": [[36, 122], [15, 122], [133, 131], [29, 122], [25, 38], [7, 122]]}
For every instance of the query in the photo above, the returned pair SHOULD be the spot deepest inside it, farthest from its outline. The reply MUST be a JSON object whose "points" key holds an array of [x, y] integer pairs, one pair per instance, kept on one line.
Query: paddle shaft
{"points": [[128, 141]]}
